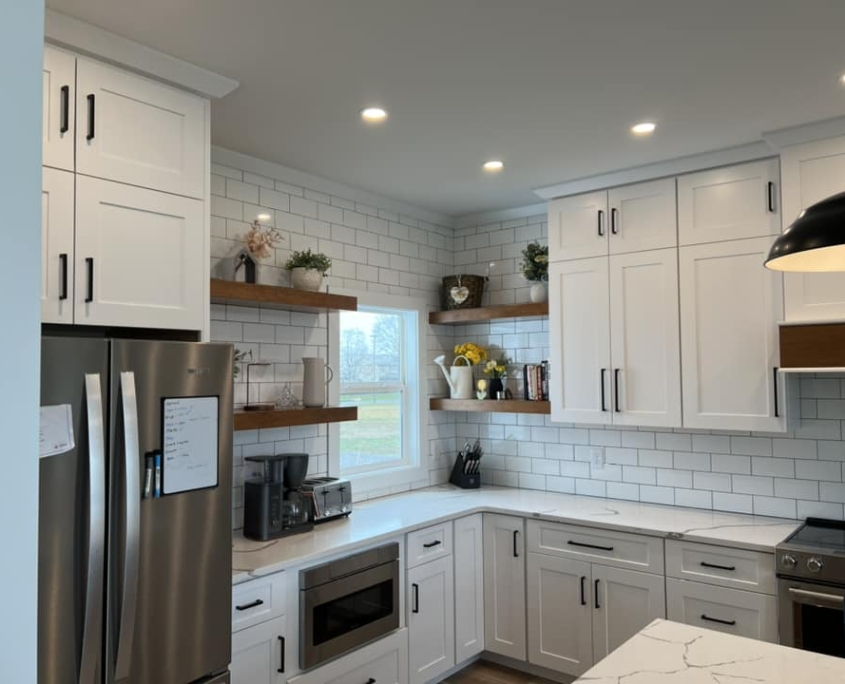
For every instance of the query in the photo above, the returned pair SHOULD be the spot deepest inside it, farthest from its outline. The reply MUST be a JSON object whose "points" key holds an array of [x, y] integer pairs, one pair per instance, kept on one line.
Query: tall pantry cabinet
{"points": [[126, 163]]}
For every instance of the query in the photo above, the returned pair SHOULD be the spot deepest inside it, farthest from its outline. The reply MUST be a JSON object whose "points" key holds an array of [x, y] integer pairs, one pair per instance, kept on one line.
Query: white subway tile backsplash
{"points": [[716, 482], [672, 441], [745, 484], [796, 489], [693, 498], [713, 444], [658, 495], [830, 471], [674, 478], [751, 446], [622, 490], [653, 458], [690, 460], [776, 467], [780, 508], [819, 509], [727, 463], [736, 503]]}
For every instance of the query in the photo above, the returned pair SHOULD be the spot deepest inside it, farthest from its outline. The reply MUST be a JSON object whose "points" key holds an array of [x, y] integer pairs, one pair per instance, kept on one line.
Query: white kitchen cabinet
{"points": [[469, 587], [730, 203], [58, 108], [578, 226], [137, 131], [56, 246], [579, 335], [560, 609], [812, 172], [431, 620], [258, 654], [504, 586], [137, 260], [645, 340], [730, 306], [642, 216], [624, 602]]}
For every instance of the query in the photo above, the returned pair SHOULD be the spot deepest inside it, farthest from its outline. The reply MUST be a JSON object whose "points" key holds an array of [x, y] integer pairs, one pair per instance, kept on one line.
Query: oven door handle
{"points": [[816, 598]]}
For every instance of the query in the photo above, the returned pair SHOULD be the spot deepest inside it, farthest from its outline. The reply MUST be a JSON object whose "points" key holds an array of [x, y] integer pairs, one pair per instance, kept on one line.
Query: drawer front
{"points": [[617, 549], [736, 568], [743, 613], [257, 601], [430, 543]]}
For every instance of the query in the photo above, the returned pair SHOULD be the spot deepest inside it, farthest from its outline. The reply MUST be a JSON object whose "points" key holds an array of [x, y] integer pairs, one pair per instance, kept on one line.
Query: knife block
{"points": [[462, 479]]}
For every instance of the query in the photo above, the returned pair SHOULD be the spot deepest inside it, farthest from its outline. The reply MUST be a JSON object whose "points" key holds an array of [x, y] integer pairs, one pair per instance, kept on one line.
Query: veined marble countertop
{"points": [[670, 653], [379, 519]]}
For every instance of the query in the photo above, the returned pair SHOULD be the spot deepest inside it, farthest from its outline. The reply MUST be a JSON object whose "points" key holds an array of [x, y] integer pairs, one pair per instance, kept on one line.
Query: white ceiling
{"points": [[549, 86]]}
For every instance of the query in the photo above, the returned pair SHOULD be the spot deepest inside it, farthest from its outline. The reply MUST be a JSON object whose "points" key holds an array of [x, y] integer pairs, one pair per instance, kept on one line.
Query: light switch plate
{"points": [[597, 457]]}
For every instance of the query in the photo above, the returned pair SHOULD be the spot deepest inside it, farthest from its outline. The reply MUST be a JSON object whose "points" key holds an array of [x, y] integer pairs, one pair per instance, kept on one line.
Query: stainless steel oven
{"points": [[812, 616], [347, 603]]}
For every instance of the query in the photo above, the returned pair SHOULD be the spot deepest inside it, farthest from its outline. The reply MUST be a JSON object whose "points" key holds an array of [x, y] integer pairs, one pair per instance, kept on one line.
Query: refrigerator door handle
{"points": [[92, 627], [133, 526]]}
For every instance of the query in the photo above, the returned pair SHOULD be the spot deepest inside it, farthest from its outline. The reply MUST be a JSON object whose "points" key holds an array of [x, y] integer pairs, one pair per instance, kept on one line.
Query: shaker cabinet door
{"points": [[258, 654], [431, 620], [59, 91], [504, 585], [643, 216], [469, 587], [578, 226], [56, 246]]}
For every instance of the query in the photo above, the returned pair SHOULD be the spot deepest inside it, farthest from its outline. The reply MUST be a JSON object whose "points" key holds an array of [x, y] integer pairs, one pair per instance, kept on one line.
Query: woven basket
{"points": [[462, 291]]}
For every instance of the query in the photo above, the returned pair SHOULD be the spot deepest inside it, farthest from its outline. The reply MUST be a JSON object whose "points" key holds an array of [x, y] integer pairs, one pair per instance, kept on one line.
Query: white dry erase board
{"points": [[190, 454]]}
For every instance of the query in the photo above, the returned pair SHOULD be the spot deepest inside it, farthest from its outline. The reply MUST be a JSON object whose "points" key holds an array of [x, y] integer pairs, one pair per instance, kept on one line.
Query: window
{"points": [[379, 372]]}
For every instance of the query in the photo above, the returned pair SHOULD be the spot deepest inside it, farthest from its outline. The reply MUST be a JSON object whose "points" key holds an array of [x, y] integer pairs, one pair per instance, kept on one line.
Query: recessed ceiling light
{"points": [[842, 79], [493, 166], [643, 128], [373, 114], [263, 217]]}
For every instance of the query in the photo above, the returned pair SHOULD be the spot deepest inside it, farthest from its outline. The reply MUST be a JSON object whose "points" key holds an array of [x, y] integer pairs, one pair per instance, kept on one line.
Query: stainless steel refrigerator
{"points": [[135, 571]]}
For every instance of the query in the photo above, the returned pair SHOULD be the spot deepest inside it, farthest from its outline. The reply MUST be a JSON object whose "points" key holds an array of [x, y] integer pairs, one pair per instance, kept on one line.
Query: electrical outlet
{"points": [[597, 457]]}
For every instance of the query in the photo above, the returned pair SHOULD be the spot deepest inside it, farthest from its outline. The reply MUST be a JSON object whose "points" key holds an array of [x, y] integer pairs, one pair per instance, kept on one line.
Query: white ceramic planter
{"points": [[539, 292], [306, 279]]}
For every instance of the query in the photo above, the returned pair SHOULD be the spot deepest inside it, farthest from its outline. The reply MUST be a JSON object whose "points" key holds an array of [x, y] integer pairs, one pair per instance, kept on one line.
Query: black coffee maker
{"points": [[274, 506]]}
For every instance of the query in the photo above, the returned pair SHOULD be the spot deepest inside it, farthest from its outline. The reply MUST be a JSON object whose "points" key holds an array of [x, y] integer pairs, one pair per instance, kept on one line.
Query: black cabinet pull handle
{"points": [[718, 567], [91, 107], [601, 380], [729, 623], [613, 227], [64, 124], [281, 669], [616, 390], [370, 681], [590, 546], [770, 196], [89, 263], [247, 606], [416, 589], [775, 385], [596, 596], [515, 548], [63, 265], [432, 544], [601, 222], [583, 595]]}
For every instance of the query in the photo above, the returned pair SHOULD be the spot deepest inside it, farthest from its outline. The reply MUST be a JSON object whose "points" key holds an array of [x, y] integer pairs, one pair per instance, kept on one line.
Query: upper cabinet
{"points": [[730, 203], [59, 79], [811, 173], [137, 131], [56, 246], [578, 226]]}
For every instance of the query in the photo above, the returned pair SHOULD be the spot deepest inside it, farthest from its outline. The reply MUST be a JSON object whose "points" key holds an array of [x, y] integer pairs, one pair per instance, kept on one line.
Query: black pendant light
{"points": [[815, 241]]}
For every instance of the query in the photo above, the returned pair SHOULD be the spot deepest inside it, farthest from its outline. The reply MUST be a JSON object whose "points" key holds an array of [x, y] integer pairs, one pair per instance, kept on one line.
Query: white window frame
{"points": [[414, 430]]}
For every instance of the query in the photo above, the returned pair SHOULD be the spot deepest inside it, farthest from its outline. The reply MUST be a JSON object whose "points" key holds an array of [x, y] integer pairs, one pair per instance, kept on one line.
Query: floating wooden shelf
{"points": [[271, 296], [490, 405], [488, 313], [258, 420]]}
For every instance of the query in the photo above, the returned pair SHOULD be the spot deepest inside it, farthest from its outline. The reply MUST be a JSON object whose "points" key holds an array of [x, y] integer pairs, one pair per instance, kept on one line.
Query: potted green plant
{"points": [[535, 268], [307, 269]]}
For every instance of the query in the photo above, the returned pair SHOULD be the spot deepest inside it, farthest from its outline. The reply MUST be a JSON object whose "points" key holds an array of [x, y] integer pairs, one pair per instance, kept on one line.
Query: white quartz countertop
{"points": [[380, 519], [670, 653]]}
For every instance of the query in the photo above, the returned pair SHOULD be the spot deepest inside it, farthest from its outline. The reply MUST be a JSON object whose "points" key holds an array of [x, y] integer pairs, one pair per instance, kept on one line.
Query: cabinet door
{"points": [[139, 257], [579, 336], [730, 305], [134, 130], [258, 654], [431, 620], [731, 203], [811, 173], [59, 81], [624, 602], [643, 216], [504, 585], [645, 338], [56, 246], [732, 611], [469, 587], [578, 226], [560, 635]]}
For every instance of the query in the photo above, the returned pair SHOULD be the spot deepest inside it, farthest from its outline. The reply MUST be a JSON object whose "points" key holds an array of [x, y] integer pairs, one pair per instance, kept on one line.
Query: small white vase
{"points": [[538, 292], [462, 386], [306, 279]]}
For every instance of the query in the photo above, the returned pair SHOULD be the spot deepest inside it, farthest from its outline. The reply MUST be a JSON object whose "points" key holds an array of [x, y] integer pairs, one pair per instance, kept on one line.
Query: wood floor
{"points": [[488, 673]]}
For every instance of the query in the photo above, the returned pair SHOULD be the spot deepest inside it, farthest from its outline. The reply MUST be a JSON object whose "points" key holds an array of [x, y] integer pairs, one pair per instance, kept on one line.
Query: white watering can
{"points": [[458, 377]]}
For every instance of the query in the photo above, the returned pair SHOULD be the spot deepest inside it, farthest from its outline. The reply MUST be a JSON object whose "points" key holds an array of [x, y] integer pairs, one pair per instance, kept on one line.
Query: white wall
{"points": [[21, 48]]}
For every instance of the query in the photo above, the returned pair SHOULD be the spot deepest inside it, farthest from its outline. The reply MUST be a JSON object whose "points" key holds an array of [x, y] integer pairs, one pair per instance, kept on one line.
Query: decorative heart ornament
{"points": [[459, 294]]}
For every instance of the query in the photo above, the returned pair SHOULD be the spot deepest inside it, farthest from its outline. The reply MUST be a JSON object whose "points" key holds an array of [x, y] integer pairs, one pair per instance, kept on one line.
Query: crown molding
{"points": [[804, 133], [497, 215]]}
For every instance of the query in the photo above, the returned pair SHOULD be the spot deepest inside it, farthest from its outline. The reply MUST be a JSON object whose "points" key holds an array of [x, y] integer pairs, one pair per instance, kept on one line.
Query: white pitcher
{"points": [[315, 382]]}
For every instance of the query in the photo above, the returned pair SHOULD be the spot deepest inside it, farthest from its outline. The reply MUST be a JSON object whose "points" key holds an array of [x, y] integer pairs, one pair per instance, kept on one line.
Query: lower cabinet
{"points": [[258, 653], [504, 585], [431, 620], [469, 587]]}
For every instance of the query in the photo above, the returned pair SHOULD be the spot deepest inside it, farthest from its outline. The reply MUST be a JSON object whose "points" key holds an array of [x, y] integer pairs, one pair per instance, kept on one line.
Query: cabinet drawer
{"points": [[258, 600], [429, 543], [617, 549], [743, 613], [384, 661], [736, 568]]}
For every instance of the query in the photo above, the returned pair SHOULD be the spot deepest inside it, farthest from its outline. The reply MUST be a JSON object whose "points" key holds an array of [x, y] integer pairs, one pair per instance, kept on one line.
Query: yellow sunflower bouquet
{"points": [[474, 353]]}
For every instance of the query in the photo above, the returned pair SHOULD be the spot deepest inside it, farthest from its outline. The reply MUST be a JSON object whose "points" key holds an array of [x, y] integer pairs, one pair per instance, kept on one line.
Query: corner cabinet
{"points": [[504, 586]]}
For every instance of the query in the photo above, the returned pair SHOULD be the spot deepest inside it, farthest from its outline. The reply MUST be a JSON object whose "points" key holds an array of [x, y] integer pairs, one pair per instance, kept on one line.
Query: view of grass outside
{"points": [[376, 437]]}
